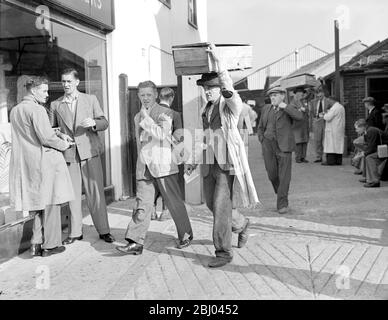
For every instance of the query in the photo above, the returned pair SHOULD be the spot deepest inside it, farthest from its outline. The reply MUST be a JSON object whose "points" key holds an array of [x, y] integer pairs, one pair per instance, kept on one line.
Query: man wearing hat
{"points": [[301, 128], [374, 118], [227, 178], [319, 107], [278, 143]]}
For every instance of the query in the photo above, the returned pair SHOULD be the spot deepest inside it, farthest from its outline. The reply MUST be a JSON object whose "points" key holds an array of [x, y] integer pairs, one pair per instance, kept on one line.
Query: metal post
{"points": [[337, 62]]}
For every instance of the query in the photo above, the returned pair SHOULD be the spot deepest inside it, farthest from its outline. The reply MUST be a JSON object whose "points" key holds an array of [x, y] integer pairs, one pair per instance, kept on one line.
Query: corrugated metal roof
{"points": [[283, 66], [326, 65]]}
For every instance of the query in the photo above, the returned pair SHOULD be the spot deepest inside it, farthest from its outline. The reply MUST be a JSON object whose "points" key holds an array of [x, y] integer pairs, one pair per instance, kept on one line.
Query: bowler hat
{"points": [[369, 99], [209, 79], [277, 89]]}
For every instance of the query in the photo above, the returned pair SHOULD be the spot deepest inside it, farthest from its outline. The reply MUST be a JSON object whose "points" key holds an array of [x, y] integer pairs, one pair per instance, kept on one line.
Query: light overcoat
{"points": [[38, 172], [334, 141]]}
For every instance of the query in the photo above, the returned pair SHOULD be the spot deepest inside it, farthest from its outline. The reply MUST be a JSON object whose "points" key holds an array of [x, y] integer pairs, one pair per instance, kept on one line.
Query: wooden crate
{"points": [[192, 59], [302, 80]]}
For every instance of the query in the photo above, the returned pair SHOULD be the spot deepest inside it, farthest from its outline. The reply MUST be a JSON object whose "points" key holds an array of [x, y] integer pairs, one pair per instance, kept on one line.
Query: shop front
{"points": [[43, 38]]}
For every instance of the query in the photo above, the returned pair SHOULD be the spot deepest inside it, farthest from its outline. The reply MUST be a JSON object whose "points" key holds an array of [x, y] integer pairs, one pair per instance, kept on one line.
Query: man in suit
{"points": [[301, 128], [373, 137], [39, 179], [80, 118], [374, 118], [155, 167], [278, 142], [319, 107], [224, 163]]}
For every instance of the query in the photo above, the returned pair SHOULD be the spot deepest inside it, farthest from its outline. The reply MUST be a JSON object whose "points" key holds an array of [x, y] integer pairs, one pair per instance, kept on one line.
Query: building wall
{"points": [[140, 47], [354, 91]]}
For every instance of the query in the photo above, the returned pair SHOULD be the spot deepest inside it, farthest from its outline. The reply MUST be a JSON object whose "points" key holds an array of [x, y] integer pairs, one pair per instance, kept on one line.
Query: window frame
{"points": [[192, 20], [167, 3]]}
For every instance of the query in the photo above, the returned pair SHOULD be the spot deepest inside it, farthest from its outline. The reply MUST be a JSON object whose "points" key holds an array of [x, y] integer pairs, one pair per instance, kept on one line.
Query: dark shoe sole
{"points": [[372, 185], [219, 264], [133, 253], [48, 253], [68, 242]]}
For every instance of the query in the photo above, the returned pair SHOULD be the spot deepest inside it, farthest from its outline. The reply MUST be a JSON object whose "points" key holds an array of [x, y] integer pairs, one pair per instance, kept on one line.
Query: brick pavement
{"points": [[333, 245]]}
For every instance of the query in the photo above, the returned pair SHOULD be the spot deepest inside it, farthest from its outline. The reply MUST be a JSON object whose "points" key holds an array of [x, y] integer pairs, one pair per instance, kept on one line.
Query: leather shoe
{"points": [[325, 164], [70, 240], [107, 238], [283, 210], [318, 160], [165, 215], [131, 248], [184, 243], [218, 262], [298, 161], [372, 185], [243, 235], [358, 172], [362, 180], [305, 161], [36, 250], [49, 252]]}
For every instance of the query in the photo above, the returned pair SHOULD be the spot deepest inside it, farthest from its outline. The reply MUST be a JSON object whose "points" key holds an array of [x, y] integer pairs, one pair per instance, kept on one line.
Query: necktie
{"points": [[207, 110], [320, 108]]}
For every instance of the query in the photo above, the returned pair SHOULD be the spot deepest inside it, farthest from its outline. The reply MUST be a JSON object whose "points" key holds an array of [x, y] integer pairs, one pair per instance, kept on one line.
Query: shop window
{"points": [[32, 44], [193, 13], [167, 3]]}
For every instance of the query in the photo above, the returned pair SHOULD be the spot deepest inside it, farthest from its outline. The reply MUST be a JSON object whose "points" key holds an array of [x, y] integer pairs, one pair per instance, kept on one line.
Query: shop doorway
{"points": [[378, 88]]}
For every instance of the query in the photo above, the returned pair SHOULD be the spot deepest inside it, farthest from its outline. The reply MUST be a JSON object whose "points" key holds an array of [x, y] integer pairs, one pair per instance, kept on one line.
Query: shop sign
{"points": [[100, 11]]}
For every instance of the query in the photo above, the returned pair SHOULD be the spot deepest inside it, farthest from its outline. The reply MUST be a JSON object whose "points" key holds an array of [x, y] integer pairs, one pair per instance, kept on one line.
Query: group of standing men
{"points": [[48, 166]]}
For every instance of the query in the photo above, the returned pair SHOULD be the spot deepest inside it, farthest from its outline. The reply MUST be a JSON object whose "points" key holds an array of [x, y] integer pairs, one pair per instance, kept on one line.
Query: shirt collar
{"points": [[71, 98]]}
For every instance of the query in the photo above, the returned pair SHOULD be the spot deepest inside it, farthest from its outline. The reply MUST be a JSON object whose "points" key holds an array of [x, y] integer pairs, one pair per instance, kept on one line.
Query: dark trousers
{"points": [[278, 165], [334, 159], [218, 188], [145, 196], [300, 151]]}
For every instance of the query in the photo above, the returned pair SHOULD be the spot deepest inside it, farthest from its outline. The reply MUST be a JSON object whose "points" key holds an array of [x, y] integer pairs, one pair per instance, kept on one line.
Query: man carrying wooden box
{"points": [[227, 178]]}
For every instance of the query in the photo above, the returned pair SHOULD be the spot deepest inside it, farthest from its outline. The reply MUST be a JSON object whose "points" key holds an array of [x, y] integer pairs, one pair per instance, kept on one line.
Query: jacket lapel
{"points": [[66, 115], [79, 112]]}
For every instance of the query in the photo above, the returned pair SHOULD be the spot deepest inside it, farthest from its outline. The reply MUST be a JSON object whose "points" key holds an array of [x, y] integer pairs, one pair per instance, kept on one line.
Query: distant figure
{"points": [[39, 179], [300, 128], [319, 107], [373, 164], [374, 118], [278, 143], [334, 142]]}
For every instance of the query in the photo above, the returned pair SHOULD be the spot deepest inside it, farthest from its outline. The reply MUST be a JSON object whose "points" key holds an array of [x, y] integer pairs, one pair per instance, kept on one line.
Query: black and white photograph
{"points": [[207, 152]]}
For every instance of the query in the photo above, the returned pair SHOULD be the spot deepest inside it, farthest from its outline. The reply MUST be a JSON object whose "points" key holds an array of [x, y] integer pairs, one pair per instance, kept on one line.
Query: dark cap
{"points": [[369, 99], [209, 79], [277, 89]]}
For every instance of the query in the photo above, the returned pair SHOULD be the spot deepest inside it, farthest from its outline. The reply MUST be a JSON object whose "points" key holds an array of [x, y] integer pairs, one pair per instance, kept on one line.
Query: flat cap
{"points": [[277, 89], [369, 99], [209, 79]]}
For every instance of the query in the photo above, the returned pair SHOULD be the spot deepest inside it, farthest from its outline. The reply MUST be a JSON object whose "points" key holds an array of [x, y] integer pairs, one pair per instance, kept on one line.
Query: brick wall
{"points": [[354, 93]]}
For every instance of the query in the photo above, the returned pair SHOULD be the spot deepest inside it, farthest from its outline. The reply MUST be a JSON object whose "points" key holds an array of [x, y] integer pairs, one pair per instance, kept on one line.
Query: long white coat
{"points": [[38, 172], [334, 141]]}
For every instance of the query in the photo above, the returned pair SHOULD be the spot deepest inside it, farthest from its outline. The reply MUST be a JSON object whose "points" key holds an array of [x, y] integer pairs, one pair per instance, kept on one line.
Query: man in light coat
{"points": [[155, 167], [39, 179], [227, 178], [334, 142], [80, 118]]}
